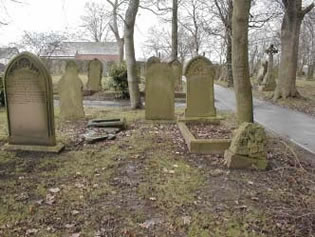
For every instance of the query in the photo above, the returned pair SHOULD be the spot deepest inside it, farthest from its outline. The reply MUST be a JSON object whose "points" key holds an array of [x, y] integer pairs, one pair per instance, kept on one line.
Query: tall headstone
{"points": [[95, 74], [177, 68], [159, 93], [30, 110], [70, 91], [199, 74]]}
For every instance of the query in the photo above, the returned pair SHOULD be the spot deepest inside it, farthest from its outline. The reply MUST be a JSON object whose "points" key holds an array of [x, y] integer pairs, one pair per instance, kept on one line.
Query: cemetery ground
{"points": [[146, 183]]}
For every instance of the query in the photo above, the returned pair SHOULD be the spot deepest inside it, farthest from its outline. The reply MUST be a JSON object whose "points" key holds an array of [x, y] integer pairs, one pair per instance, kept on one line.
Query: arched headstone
{"points": [[70, 89], [177, 68], [159, 93], [95, 74], [30, 110], [199, 74]]}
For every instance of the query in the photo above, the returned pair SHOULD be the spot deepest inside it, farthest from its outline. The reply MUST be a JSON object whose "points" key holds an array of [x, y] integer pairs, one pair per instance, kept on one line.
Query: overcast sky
{"points": [[55, 15]]}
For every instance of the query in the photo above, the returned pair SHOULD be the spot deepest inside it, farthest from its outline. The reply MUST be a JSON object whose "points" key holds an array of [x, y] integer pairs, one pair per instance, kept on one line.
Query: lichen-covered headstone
{"points": [[269, 81], [248, 148], [199, 74], [70, 89], [177, 68], [95, 74], [30, 110], [159, 93]]}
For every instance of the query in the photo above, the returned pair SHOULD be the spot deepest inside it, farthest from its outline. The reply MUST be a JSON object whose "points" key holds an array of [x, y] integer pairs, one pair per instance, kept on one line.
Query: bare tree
{"points": [[133, 83], [290, 32], [243, 92], [42, 43], [95, 21], [114, 25]]}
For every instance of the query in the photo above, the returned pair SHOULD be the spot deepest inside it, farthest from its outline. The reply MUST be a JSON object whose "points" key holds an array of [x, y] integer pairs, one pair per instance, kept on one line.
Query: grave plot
{"points": [[206, 138]]}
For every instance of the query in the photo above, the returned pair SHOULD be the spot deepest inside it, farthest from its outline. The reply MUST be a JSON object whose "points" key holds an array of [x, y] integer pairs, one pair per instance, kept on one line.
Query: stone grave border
{"points": [[203, 146]]}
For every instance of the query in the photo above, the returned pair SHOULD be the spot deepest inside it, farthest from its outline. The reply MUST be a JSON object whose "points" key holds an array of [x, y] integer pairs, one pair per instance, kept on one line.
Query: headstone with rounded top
{"points": [[30, 108], [70, 89], [177, 68], [199, 74], [159, 93], [95, 74]]}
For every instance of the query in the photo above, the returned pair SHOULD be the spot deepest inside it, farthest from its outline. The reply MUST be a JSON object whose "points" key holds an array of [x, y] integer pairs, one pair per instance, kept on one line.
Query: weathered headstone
{"points": [[262, 71], [70, 89], [30, 111], [152, 60], [159, 93], [95, 74], [199, 74], [177, 68], [247, 149]]}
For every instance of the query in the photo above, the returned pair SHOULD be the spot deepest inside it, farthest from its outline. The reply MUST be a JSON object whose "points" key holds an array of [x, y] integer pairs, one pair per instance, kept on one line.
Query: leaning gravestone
{"points": [[70, 91], [95, 74], [159, 93], [30, 110], [199, 74], [177, 68]]}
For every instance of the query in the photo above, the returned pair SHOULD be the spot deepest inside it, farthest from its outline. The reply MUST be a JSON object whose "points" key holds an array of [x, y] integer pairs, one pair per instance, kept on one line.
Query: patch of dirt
{"points": [[209, 131]]}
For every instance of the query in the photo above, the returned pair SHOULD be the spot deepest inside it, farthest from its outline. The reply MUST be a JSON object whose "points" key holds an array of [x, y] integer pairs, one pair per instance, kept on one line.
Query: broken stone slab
{"points": [[93, 137], [247, 149], [107, 123]]}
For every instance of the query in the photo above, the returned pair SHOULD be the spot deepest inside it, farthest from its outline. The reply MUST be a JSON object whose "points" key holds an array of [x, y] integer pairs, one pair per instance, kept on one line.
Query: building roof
{"points": [[8, 53], [70, 49]]}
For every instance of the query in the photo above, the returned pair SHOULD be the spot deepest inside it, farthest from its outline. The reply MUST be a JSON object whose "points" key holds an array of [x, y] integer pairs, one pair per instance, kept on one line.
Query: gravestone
{"points": [[95, 73], [248, 148], [159, 93], [199, 74], [30, 110], [152, 60], [70, 89], [177, 68]]}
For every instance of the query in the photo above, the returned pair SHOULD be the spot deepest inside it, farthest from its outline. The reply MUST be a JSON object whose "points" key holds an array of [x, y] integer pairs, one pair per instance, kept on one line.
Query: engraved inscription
{"points": [[25, 87]]}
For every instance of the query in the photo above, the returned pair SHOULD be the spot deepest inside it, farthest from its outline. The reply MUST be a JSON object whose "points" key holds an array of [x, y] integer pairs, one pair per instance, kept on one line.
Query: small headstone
{"points": [[199, 74], [159, 93], [29, 96], [70, 91], [95, 74], [248, 148], [177, 68]]}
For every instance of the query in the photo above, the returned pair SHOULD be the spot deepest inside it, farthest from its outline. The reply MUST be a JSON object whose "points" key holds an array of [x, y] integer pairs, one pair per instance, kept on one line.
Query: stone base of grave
{"points": [[235, 161], [212, 120], [49, 149]]}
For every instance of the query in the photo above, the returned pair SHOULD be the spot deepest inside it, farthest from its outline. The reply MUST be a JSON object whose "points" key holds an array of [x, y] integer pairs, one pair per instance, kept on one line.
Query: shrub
{"points": [[118, 74]]}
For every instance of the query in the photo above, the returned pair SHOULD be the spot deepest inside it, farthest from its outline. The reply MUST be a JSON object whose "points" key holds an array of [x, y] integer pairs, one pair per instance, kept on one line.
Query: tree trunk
{"points": [[290, 32], [243, 91], [121, 44], [133, 82], [114, 27], [175, 30], [229, 62], [310, 72]]}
